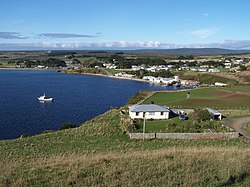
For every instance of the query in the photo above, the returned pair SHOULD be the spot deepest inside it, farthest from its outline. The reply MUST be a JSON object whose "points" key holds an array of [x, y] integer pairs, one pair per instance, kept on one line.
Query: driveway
{"points": [[238, 125]]}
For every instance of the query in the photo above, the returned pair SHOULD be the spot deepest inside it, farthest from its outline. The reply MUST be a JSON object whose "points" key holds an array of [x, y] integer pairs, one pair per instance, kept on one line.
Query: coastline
{"points": [[92, 74], [28, 69], [114, 77]]}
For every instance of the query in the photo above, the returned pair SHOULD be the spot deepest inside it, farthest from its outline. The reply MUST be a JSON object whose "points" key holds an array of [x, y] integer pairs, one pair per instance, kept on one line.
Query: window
{"points": [[162, 113], [151, 113], [137, 113]]}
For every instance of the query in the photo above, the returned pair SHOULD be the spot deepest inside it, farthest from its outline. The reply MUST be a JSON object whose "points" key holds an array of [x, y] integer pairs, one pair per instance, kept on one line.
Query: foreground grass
{"points": [[98, 153], [164, 167]]}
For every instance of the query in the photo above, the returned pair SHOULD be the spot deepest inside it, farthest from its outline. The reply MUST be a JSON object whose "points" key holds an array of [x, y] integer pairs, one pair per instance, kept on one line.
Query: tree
{"points": [[66, 126], [243, 68], [76, 61], [201, 115]]}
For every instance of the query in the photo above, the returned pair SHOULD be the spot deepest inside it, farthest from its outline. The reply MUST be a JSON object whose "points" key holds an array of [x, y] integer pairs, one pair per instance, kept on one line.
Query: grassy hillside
{"points": [[208, 78], [98, 153], [220, 98]]}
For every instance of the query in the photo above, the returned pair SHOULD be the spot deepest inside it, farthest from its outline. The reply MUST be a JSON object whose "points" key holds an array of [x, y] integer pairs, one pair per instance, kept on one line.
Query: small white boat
{"points": [[43, 98]]}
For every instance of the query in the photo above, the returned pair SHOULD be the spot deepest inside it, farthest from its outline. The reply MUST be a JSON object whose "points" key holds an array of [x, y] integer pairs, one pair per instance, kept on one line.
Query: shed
{"points": [[215, 114]]}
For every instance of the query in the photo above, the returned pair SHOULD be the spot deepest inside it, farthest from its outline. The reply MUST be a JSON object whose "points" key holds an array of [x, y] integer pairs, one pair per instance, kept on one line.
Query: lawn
{"points": [[175, 125], [218, 98], [160, 125], [247, 127]]}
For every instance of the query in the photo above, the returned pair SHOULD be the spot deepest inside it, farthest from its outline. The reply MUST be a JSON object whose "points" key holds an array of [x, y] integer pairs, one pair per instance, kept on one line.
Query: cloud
{"points": [[12, 35], [204, 32], [205, 14], [118, 44], [65, 35], [227, 44]]}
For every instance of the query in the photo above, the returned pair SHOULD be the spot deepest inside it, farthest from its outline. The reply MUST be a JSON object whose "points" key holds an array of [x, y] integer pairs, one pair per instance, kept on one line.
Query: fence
{"points": [[183, 135]]}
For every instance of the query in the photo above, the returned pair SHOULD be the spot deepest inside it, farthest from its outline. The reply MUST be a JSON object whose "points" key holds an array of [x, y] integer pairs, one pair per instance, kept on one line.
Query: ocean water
{"points": [[77, 98]]}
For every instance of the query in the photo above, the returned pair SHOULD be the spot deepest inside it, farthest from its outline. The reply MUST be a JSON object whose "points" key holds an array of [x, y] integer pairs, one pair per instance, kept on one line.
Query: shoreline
{"points": [[92, 74], [114, 77], [29, 69], [127, 78]]}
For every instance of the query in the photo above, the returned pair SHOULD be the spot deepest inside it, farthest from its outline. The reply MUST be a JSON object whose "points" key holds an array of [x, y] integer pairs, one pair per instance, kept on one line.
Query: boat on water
{"points": [[43, 98]]}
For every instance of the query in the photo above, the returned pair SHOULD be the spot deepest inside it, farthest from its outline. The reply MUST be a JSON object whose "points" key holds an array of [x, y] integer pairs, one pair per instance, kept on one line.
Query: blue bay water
{"points": [[78, 98]]}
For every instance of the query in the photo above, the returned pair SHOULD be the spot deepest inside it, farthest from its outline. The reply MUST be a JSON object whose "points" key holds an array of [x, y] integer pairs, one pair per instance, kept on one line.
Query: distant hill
{"points": [[194, 51]]}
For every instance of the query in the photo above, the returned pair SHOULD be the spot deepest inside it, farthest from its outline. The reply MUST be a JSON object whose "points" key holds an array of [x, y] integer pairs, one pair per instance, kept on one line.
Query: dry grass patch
{"points": [[164, 167]]}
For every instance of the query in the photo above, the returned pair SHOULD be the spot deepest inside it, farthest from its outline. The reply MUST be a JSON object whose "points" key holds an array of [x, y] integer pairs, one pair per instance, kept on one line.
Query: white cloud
{"points": [[118, 44], [204, 32], [205, 14], [228, 44]]}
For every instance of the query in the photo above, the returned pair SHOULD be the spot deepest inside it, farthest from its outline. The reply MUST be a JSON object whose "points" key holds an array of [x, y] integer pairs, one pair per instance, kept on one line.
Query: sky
{"points": [[124, 24]]}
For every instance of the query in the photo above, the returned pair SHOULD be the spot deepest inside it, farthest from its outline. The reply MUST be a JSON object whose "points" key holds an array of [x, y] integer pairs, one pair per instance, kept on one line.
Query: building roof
{"points": [[213, 112], [148, 108]]}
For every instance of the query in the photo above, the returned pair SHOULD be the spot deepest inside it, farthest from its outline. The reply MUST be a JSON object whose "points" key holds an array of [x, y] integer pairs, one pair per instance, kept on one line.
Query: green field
{"points": [[247, 127], [98, 153], [218, 98], [175, 125]]}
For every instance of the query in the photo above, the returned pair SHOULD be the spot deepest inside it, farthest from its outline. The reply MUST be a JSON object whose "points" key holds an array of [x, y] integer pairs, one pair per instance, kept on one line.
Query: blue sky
{"points": [[120, 24]]}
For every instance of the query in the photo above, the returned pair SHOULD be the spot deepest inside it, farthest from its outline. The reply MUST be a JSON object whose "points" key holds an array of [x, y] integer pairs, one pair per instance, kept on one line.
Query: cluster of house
{"points": [[231, 63], [153, 111], [156, 68], [109, 65], [160, 80], [163, 81], [123, 74], [152, 68], [204, 69]]}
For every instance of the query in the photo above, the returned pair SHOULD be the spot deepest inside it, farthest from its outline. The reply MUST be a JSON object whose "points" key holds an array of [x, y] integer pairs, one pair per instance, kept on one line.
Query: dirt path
{"points": [[238, 125]]}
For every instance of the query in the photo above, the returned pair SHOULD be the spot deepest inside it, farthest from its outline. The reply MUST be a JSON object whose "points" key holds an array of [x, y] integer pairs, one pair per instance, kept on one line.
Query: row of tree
{"points": [[50, 62]]}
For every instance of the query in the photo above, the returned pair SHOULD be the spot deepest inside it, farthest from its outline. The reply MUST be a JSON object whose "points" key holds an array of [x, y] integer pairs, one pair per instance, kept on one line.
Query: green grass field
{"points": [[98, 153], [247, 127], [218, 98]]}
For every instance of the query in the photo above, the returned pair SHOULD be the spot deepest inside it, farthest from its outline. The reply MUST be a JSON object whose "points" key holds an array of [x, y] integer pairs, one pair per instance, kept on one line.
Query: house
{"points": [[220, 84], [149, 78], [149, 111], [123, 74], [228, 65], [214, 70]]}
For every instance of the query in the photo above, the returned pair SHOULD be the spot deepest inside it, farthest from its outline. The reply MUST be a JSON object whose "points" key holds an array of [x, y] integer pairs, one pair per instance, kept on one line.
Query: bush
{"points": [[47, 131], [200, 115], [66, 126], [25, 136]]}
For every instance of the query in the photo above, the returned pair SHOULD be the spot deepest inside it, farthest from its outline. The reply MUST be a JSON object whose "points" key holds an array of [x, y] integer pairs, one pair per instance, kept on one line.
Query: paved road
{"points": [[238, 125]]}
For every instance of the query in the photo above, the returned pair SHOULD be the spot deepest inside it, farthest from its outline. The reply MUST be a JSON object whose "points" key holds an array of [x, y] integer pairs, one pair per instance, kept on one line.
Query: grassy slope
{"points": [[98, 153], [220, 98]]}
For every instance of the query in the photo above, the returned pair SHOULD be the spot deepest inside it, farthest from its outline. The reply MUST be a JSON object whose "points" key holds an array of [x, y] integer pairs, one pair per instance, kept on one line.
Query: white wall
{"points": [[148, 115]]}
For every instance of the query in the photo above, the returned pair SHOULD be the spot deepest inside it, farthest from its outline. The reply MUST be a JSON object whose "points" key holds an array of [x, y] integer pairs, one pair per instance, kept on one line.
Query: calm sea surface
{"points": [[78, 98]]}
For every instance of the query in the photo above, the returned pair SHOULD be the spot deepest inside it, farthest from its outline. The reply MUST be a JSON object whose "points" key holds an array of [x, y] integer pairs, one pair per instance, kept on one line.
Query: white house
{"points": [[228, 65], [214, 70], [149, 111], [149, 78], [220, 84]]}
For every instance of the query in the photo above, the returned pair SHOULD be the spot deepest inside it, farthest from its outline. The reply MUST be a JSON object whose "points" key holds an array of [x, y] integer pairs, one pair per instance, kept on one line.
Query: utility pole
{"points": [[144, 125]]}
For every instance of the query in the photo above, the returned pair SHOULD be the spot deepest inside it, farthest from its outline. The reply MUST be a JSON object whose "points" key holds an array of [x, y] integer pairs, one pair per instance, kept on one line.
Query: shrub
{"points": [[66, 126], [200, 115], [25, 136], [47, 131]]}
